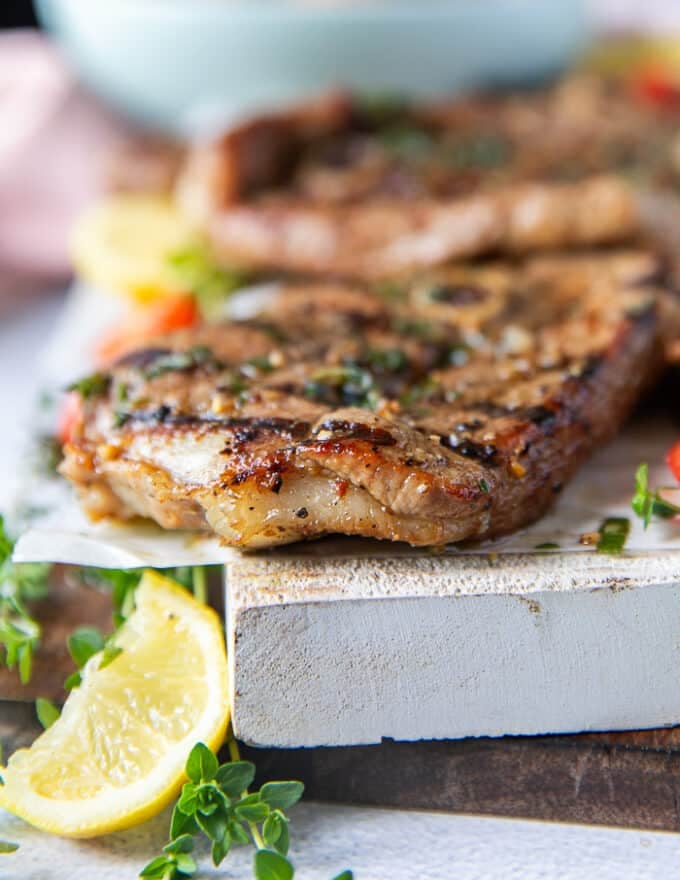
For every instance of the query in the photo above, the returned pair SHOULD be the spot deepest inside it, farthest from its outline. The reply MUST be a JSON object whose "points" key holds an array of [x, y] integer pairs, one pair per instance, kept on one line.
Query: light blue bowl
{"points": [[183, 65]]}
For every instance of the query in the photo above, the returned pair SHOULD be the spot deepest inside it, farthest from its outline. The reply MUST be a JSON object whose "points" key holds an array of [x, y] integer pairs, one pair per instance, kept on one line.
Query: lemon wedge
{"points": [[123, 243], [116, 755]]}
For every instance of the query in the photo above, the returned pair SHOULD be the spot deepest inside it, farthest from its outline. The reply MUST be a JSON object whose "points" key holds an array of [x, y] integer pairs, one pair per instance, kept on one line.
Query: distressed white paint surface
{"points": [[378, 845], [347, 651]]}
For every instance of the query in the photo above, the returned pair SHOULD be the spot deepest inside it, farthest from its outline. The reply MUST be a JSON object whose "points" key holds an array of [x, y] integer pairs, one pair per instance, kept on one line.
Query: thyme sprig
{"points": [[216, 803], [19, 630], [648, 503]]}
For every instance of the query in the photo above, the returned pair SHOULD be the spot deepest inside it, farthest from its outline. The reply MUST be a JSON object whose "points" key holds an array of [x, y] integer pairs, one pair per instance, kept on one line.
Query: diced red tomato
{"points": [[70, 417], [673, 460], [157, 318], [654, 85]]}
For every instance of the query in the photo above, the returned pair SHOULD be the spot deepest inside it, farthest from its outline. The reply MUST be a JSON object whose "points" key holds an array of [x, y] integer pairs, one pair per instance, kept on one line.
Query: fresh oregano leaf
{"points": [[281, 795], [282, 845], [157, 867], [74, 680], [109, 654], [182, 844], [188, 800], [271, 830], [238, 833], [84, 643], [251, 808], [268, 865], [6, 847], [214, 825], [201, 764], [46, 711], [220, 849], [185, 864], [235, 777], [181, 823]]}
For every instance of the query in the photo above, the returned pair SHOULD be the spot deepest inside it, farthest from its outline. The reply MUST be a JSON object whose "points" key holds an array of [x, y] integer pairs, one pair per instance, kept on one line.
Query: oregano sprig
{"points": [[19, 631], [216, 803]]}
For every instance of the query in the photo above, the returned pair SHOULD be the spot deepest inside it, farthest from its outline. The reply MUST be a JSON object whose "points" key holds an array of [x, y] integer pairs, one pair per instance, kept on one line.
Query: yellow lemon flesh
{"points": [[123, 245], [116, 755]]}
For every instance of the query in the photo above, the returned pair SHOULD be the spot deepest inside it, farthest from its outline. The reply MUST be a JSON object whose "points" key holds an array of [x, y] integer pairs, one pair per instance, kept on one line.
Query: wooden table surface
{"points": [[626, 779]]}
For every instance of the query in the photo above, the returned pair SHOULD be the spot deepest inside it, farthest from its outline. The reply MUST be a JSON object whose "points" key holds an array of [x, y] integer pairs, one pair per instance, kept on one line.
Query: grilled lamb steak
{"points": [[452, 407]]}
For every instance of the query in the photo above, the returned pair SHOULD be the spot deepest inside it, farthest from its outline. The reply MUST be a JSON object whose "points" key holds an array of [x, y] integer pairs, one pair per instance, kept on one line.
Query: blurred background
{"points": [[83, 84]]}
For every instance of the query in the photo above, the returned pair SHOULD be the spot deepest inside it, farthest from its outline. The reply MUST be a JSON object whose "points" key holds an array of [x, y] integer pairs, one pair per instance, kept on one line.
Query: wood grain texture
{"points": [[628, 779], [69, 604]]}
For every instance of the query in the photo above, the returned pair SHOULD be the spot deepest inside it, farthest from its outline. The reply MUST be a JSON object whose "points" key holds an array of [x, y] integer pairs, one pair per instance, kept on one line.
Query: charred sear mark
{"points": [[153, 362], [457, 294], [485, 453], [539, 415], [357, 431], [343, 386], [246, 430], [142, 357], [642, 311], [302, 513], [587, 368]]}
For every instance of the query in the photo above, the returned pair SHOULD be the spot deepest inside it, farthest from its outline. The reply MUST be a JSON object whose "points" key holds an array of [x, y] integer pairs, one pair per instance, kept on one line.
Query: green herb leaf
{"points": [[281, 795], [210, 283], [74, 680], [157, 868], [214, 826], [647, 503], [235, 777], [181, 823], [109, 654], [251, 808], [613, 535], [237, 833], [91, 386], [188, 800], [83, 643], [6, 847], [271, 830], [47, 712], [345, 875], [201, 764], [268, 865], [220, 849], [182, 844], [185, 864]]}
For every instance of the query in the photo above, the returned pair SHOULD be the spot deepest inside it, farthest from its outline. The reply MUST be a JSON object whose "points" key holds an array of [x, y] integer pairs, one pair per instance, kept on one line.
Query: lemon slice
{"points": [[122, 245], [116, 755]]}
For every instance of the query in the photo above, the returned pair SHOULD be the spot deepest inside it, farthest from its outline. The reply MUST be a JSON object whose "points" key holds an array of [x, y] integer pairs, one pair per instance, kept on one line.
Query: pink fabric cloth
{"points": [[53, 137]]}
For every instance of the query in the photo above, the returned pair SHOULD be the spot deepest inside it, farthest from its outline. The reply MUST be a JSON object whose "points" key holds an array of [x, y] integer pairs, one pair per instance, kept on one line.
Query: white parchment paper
{"points": [[59, 532]]}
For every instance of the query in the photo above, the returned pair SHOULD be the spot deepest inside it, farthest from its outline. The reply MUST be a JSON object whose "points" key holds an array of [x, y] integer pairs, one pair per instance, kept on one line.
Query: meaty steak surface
{"points": [[367, 190], [451, 407]]}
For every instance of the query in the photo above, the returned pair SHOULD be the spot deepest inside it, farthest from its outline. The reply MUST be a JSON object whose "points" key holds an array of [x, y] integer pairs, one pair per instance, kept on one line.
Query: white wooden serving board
{"points": [[348, 641]]}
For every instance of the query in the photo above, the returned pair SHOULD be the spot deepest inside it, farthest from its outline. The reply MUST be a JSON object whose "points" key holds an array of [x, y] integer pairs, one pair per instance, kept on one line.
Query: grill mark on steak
{"points": [[497, 438]]}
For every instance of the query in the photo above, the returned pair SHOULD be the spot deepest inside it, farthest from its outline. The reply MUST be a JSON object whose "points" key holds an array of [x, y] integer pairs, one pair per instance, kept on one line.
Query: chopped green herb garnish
{"points": [[613, 535], [19, 584], [348, 385], [46, 711], [484, 486], [391, 360], [210, 283], [478, 151], [648, 503], [180, 361], [91, 386]]}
